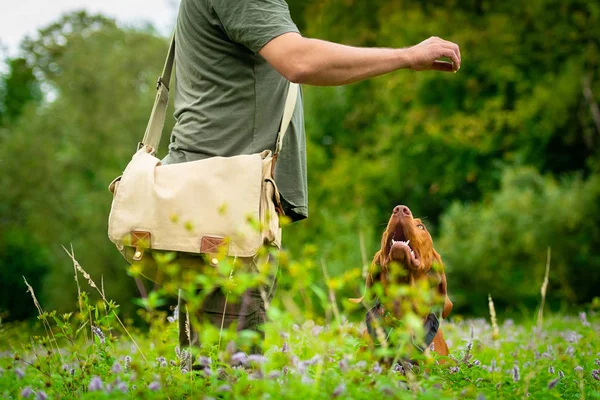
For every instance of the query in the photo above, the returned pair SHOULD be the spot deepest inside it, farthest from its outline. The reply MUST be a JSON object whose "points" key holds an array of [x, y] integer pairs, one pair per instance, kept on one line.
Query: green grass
{"points": [[64, 357]]}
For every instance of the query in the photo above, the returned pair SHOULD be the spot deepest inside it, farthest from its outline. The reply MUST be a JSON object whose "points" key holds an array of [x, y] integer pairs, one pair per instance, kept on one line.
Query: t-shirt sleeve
{"points": [[253, 23]]}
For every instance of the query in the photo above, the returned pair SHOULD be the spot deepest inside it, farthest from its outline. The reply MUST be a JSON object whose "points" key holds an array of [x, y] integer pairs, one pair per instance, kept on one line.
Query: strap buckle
{"points": [[150, 150]]}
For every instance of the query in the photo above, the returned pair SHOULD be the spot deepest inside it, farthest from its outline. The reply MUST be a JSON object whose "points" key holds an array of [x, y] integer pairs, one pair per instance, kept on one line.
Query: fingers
{"points": [[446, 52], [442, 66], [450, 50]]}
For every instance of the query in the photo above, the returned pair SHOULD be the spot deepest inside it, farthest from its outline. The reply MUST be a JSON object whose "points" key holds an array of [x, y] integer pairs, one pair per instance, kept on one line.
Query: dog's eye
{"points": [[421, 227]]}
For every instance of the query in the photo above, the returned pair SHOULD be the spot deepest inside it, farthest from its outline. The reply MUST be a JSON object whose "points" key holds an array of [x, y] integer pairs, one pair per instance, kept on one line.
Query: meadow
{"points": [[501, 160], [310, 351]]}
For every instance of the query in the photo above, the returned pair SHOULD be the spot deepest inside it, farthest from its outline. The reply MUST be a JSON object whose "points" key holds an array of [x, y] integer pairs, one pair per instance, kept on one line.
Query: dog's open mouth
{"points": [[401, 251]]}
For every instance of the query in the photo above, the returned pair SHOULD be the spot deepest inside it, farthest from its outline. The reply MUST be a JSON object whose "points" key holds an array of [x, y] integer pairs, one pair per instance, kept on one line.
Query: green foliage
{"points": [[58, 158], [429, 139], [89, 353], [423, 139], [20, 256], [17, 88], [500, 246]]}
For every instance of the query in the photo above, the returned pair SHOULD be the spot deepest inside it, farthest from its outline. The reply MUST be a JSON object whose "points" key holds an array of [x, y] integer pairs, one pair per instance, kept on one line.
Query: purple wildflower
{"points": [[239, 358], [578, 368], [224, 388], [122, 387], [455, 369], [516, 375], [493, 365], [26, 392], [596, 374], [377, 368], [398, 368], [116, 368], [361, 364], [339, 390], [285, 348], [560, 373], [551, 370], [257, 359], [301, 367], [127, 362], [274, 374], [597, 361], [95, 384], [65, 367], [204, 361], [284, 335], [154, 386], [41, 395], [476, 363], [553, 383], [98, 333], [343, 364], [20, 373], [583, 319]]}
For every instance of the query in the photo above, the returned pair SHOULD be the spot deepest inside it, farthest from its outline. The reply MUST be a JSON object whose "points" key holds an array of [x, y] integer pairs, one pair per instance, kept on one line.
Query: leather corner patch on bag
{"points": [[211, 244], [141, 239]]}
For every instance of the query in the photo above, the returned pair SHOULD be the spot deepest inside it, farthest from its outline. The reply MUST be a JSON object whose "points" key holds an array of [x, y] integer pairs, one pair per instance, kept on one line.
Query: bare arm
{"points": [[322, 63]]}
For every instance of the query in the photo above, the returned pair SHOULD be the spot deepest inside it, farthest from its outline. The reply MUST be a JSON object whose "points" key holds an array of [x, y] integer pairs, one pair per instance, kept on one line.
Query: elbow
{"points": [[299, 72]]}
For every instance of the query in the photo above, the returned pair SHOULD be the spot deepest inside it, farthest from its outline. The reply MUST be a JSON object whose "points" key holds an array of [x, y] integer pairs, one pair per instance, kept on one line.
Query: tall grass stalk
{"points": [[43, 317], [332, 298], [107, 304], [495, 330], [544, 288]]}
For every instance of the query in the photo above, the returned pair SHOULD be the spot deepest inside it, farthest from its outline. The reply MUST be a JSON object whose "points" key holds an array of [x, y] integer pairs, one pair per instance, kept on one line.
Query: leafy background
{"points": [[502, 158]]}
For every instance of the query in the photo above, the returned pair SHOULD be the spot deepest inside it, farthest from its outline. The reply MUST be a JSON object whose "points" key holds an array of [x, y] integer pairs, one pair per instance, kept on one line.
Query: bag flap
{"points": [[191, 207]]}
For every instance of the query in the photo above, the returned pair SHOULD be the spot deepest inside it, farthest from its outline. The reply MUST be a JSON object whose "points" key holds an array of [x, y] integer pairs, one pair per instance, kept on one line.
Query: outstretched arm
{"points": [[322, 63]]}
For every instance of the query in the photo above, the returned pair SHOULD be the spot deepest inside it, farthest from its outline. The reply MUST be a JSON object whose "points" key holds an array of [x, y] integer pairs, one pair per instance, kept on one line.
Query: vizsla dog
{"points": [[407, 257]]}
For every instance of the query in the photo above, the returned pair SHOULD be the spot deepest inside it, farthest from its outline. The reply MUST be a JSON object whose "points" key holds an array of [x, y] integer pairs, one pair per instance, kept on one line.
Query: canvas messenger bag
{"points": [[226, 205]]}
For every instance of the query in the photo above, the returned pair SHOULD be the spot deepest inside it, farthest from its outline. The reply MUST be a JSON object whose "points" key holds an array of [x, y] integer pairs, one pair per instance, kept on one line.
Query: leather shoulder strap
{"points": [[159, 110], [288, 111]]}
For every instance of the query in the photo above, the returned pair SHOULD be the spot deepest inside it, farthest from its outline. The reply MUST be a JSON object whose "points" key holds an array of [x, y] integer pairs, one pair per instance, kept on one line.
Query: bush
{"points": [[499, 246], [19, 256]]}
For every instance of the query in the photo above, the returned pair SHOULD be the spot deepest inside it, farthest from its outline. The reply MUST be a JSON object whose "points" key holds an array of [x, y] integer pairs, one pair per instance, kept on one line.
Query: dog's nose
{"points": [[402, 210]]}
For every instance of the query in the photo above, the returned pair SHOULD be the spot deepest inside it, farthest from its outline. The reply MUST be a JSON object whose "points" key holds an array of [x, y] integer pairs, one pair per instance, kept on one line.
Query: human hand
{"points": [[426, 55]]}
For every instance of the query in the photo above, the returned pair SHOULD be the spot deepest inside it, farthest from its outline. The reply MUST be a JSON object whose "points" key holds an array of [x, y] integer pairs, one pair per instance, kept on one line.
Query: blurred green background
{"points": [[502, 159]]}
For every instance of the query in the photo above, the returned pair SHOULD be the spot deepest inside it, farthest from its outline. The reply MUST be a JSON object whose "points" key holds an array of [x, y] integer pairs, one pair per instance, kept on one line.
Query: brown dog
{"points": [[407, 257]]}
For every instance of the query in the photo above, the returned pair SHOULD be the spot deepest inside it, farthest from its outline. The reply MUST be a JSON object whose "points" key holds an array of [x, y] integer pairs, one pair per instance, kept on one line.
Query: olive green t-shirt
{"points": [[228, 99]]}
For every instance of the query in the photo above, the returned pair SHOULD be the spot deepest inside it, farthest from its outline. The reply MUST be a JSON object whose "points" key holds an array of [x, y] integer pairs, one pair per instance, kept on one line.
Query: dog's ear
{"points": [[443, 285]]}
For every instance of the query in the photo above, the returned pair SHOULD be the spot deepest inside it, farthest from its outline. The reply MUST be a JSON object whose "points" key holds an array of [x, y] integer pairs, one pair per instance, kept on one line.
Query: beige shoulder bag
{"points": [[228, 204]]}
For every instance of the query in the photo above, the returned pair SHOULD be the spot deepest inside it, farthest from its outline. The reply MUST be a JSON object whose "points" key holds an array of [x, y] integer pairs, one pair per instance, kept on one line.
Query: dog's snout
{"points": [[403, 211]]}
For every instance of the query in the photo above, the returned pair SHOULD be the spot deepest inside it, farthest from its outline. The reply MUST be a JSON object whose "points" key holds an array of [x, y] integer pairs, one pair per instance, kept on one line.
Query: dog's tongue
{"points": [[402, 253]]}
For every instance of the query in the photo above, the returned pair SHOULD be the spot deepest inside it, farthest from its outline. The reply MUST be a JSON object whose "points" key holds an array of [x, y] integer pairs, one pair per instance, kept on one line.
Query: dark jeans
{"points": [[249, 312]]}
